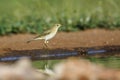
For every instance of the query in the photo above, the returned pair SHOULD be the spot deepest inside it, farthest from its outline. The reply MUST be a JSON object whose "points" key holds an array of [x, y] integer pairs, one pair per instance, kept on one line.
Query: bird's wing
{"points": [[43, 34], [47, 32]]}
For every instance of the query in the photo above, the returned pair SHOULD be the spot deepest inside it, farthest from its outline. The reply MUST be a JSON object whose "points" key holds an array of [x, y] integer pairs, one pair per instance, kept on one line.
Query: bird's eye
{"points": [[57, 25]]}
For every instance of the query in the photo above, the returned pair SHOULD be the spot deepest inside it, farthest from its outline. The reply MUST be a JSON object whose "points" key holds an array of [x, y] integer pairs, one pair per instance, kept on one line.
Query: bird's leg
{"points": [[47, 52], [45, 43]]}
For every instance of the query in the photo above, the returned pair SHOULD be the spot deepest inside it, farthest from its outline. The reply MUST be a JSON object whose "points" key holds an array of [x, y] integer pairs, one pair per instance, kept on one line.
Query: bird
{"points": [[47, 35]]}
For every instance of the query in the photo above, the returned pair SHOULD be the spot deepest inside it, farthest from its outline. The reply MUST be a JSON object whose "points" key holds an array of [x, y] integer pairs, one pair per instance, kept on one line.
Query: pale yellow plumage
{"points": [[47, 35]]}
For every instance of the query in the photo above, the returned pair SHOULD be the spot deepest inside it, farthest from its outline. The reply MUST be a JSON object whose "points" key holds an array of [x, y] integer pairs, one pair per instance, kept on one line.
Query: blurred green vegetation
{"points": [[110, 62], [34, 16]]}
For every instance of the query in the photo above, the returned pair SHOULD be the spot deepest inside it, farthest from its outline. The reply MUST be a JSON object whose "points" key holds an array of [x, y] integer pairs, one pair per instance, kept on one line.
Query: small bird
{"points": [[47, 35]]}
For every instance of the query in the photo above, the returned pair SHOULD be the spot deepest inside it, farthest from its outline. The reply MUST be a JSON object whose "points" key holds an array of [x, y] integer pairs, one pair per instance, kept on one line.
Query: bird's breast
{"points": [[51, 35]]}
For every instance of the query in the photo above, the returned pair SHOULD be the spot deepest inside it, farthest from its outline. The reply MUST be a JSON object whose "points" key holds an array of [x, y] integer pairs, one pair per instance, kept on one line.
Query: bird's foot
{"points": [[45, 46]]}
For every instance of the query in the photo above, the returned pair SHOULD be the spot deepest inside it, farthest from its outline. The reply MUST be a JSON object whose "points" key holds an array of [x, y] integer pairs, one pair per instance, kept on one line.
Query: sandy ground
{"points": [[76, 41], [81, 42]]}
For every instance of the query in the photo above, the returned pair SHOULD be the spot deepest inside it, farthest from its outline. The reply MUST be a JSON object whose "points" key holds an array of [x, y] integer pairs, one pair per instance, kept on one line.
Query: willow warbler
{"points": [[47, 35]]}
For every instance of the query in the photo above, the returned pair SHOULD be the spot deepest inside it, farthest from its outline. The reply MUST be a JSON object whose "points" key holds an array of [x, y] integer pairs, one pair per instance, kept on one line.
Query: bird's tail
{"points": [[33, 40]]}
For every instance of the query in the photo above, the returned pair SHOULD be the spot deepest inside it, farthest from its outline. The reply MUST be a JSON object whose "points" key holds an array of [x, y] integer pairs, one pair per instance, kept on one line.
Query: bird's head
{"points": [[58, 25]]}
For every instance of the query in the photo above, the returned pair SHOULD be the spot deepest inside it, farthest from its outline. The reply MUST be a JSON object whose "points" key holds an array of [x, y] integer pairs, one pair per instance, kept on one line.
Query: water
{"points": [[50, 59], [111, 62]]}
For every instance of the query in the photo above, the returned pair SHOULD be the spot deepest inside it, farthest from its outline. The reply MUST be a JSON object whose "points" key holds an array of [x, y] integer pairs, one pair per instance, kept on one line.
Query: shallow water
{"points": [[111, 62]]}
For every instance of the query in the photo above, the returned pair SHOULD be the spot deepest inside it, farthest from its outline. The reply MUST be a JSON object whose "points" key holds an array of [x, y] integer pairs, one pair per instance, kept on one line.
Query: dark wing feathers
{"points": [[43, 34]]}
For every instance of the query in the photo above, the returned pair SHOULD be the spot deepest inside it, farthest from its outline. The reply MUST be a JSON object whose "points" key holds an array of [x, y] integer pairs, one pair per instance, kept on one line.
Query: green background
{"points": [[35, 16]]}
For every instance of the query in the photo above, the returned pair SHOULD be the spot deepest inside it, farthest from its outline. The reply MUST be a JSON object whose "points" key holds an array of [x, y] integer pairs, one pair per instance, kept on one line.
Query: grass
{"points": [[41, 64], [111, 62], [34, 16]]}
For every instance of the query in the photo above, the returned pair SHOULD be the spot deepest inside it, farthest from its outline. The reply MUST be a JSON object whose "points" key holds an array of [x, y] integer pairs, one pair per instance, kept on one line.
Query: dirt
{"points": [[79, 41]]}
